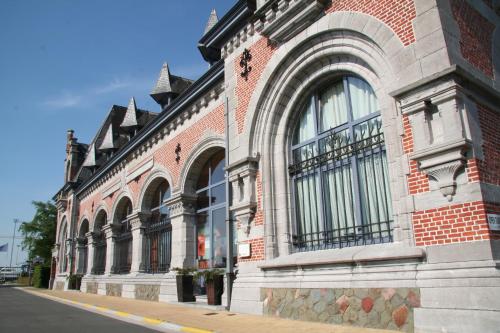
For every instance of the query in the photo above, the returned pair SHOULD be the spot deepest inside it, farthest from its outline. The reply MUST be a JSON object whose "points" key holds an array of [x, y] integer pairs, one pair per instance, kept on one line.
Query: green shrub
{"points": [[41, 276]]}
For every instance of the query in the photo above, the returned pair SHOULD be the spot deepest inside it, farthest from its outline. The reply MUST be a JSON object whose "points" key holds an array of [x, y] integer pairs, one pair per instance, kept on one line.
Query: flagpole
{"points": [[16, 221]]}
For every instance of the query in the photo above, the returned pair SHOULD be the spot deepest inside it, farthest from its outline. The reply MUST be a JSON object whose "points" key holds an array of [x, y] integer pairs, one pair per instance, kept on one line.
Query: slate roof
{"points": [[212, 21], [130, 118], [169, 84]]}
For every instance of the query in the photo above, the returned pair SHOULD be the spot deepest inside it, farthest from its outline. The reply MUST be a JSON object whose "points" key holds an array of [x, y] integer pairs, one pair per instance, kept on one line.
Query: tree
{"points": [[40, 233]]}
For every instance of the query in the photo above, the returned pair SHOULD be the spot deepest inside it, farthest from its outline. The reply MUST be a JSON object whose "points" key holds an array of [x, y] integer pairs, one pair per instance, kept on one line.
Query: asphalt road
{"points": [[26, 313]]}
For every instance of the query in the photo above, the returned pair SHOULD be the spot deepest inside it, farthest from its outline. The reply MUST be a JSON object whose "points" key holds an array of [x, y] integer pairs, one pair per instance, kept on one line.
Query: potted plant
{"points": [[184, 280], [214, 280]]}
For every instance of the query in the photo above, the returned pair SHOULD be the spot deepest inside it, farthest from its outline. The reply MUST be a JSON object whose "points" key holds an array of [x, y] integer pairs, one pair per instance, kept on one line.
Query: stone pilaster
{"points": [[182, 215], [110, 231], [138, 222], [90, 252]]}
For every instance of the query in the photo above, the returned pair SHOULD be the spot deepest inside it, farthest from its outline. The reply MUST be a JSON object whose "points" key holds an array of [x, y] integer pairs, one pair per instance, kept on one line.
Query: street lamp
{"points": [[16, 221]]}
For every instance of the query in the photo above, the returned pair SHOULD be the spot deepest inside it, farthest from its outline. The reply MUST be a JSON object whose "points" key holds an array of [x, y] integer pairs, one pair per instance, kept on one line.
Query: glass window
{"points": [[339, 171], [211, 214]]}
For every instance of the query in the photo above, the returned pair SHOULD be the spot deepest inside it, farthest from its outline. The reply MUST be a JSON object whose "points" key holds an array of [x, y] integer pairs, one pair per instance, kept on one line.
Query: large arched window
{"points": [[211, 214], [99, 260], [158, 233], [63, 255], [82, 247], [123, 240], [339, 169]]}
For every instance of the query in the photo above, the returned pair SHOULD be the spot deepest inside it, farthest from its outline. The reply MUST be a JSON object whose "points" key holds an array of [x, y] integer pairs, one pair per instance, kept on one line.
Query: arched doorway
{"points": [[123, 241], [99, 260]]}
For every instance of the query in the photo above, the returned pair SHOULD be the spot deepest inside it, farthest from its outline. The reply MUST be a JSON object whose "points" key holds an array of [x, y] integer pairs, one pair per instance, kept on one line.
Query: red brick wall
{"points": [[259, 214], [256, 250], [397, 14], [475, 36], [487, 170], [261, 52], [165, 156], [453, 224], [214, 121], [418, 182]]}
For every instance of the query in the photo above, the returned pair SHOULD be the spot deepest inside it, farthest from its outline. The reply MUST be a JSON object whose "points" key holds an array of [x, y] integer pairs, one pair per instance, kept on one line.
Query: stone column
{"points": [[110, 232], [90, 252], [138, 222], [182, 216]]}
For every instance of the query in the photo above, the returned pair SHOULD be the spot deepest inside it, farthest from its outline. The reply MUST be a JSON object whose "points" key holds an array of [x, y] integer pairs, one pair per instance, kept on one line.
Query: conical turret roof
{"points": [[90, 159], [163, 85], [212, 21], [130, 118], [107, 142]]}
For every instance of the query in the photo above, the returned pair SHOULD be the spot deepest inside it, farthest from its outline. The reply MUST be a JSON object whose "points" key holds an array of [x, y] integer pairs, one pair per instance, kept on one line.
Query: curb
{"points": [[123, 316]]}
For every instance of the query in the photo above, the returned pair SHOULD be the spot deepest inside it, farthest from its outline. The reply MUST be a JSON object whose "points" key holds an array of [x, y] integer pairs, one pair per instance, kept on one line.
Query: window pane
{"points": [[339, 202], [203, 249], [203, 201], [304, 153], [218, 194], [307, 207], [336, 142], [333, 107], [363, 100], [217, 167], [203, 180], [368, 129], [305, 128], [220, 246]]}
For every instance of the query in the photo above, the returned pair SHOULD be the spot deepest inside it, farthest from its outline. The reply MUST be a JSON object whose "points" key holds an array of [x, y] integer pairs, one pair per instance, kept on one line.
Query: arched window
{"points": [[158, 233], [123, 240], [99, 262], [211, 214], [82, 247], [339, 171], [63, 255]]}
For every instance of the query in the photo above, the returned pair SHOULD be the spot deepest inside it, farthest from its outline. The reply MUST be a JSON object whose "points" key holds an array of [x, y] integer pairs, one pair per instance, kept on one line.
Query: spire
{"points": [[212, 21], [107, 142], [163, 85], [130, 119], [90, 160]]}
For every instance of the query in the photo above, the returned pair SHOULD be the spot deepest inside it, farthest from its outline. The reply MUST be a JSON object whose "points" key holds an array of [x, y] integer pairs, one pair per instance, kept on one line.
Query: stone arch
{"points": [[153, 179], [119, 204], [316, 56], [100, 218], [196, 160], [84, 227]]}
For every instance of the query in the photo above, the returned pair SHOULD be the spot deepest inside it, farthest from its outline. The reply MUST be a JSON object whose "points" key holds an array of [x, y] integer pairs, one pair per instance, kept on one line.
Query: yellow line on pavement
{"points": [[122, 314], [194, 330], [88, 306], [100, 308], [152, 321]]}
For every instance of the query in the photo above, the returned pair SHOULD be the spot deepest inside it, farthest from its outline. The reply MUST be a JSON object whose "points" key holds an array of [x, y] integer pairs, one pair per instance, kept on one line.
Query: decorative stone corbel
{"points": [[441, 134], [242, 176]]}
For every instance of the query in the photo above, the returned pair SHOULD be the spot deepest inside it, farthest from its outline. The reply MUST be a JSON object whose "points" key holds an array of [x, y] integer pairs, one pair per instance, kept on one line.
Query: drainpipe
{"points": [[229, 222]]}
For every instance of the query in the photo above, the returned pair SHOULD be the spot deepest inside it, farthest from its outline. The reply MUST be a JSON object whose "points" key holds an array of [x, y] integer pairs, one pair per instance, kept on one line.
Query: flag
{"points": [[4, 248]]}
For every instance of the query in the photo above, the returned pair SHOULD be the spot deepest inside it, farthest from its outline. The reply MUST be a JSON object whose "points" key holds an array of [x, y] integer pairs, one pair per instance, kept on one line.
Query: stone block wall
{"points": [[113, 289], [59, 285], [92, 287], [147, 292], [387, 308]]}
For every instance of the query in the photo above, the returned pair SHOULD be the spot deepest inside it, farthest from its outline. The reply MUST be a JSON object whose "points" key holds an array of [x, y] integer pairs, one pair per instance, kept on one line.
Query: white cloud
{"points": [[112, 86], [64, 100]]}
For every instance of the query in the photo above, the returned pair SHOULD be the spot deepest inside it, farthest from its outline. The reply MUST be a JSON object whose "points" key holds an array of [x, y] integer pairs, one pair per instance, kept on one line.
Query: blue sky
{"points": [[63, 64]]}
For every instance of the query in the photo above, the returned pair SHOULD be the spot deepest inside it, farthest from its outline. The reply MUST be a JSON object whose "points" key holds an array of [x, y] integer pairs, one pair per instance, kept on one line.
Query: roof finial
{"points": [[212, 21]]}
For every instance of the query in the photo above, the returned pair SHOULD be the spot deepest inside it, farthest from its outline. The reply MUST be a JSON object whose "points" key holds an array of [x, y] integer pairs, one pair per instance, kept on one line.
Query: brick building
{"points": [[352, 146]]}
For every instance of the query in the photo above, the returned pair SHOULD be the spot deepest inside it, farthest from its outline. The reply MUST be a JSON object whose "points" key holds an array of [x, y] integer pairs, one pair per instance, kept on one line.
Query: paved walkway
{"points": [[196, 319]]}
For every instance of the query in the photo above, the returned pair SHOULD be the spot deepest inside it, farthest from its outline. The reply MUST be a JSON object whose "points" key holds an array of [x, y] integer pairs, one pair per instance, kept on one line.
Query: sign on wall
{"points": [[494, 222], [244, 250]]}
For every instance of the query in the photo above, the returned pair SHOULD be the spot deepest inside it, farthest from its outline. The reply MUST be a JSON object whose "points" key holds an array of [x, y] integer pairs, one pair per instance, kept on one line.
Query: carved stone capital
{"points": [[138, 220], [110, 230], [445, 176], [181, 204]]}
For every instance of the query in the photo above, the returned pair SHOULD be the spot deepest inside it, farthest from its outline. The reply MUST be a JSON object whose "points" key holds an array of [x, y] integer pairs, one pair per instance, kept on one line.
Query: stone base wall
{"points": [[113, 289], [387, 308], [92, 287], [59, 285], [147, 292]]}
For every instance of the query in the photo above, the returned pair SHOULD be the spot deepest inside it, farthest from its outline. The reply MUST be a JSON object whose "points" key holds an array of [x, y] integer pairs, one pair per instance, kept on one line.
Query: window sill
{"points": [[350, 255]]}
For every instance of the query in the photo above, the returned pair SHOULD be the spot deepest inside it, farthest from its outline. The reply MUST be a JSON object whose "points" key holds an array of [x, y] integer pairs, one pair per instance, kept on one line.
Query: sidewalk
{"points": [[195, 319]]}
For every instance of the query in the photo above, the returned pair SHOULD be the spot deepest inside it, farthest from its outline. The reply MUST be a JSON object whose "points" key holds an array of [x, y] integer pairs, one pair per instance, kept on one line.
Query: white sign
{"points": [[244, 250], [494, 222]]}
